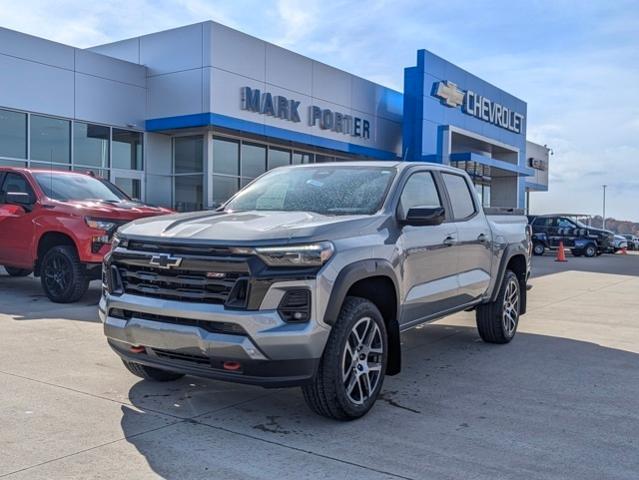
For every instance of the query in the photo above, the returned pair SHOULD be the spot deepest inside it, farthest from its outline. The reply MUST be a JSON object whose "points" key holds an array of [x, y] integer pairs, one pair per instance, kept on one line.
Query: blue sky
{"points": [[576, 63]]}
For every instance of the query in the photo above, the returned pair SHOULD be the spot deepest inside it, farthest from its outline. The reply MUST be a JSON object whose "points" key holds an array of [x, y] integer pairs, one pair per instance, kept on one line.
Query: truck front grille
{"points": [[219, 280], [181, 285]]}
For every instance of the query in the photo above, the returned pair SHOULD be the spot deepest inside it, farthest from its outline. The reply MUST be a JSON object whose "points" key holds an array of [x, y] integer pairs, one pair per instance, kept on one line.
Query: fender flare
{"points": [[361, 270], [509, 252]]}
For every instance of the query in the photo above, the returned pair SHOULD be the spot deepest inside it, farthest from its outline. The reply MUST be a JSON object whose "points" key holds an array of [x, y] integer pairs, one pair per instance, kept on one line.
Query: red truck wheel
{"points": [[63, 276]]}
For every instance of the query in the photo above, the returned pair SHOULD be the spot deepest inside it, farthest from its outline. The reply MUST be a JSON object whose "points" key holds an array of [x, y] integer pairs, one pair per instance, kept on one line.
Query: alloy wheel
{"points": [[362, 361], [57, 274], [511, 307]]}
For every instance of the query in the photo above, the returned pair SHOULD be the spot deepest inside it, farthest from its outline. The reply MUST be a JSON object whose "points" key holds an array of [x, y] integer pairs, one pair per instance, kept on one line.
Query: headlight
{"points": [[106, 225], [312, 255], [115, 241]]}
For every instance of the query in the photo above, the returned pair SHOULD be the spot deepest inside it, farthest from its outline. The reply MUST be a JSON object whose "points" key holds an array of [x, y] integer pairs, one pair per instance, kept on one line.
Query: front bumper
{"points": [[270, 352]]}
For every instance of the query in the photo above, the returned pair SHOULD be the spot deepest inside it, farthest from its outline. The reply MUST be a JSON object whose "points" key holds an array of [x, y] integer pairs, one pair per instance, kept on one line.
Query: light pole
{"points": [[604, 207]]}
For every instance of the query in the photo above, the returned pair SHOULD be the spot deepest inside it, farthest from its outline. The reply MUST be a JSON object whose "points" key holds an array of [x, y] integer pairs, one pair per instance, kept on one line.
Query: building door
{"points": [[130, 182]]}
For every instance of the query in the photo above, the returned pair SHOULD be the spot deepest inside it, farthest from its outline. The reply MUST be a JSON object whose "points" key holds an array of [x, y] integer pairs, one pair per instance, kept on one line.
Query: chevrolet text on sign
{"points": [[479, 106]]}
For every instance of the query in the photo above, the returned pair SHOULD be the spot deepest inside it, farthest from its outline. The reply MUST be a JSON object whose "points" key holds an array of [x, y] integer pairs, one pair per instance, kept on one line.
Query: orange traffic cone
{"points": [[561, 255]]}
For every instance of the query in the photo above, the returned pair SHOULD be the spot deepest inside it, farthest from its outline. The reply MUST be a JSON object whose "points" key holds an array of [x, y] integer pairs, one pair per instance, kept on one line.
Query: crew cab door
{"points": [[429, 262], [474, 242], [16, 231]]}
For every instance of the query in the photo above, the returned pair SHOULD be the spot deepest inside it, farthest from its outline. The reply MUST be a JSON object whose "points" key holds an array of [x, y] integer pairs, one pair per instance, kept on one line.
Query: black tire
{"points": [[327, 394], [18, 272], [538, 249], [576, 253], [63, 277], [493, 324], [590, 250], [151, 373]]}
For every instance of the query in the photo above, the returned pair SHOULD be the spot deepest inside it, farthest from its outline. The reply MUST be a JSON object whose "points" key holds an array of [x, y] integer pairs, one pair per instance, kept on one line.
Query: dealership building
{"points": [[186, 117]]}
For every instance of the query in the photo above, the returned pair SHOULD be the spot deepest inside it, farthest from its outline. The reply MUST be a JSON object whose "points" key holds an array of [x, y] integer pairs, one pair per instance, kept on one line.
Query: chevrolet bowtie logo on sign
{"points": [[165, 260], [478, 106], [449, 93]]}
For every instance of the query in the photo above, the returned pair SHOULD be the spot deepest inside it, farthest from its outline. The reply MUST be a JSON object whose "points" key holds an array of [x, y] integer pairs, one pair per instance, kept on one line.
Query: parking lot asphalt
{"points": [[560, 401]]}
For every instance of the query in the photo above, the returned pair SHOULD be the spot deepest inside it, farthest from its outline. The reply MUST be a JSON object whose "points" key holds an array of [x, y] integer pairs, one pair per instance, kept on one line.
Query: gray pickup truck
{"points": [[307, 276]]}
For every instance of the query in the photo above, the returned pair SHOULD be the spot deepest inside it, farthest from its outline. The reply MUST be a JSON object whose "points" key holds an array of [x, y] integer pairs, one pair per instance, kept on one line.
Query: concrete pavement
{"points": [[560, 401]]}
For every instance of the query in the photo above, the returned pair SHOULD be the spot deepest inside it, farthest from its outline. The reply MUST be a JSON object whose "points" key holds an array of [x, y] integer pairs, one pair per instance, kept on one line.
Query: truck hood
{"points": [[252, 227], [127, 210]]}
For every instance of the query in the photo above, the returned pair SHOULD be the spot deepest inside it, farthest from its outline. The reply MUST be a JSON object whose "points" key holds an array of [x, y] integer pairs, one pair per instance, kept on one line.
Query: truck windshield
{"points": [[326, 189], [66, 187]]}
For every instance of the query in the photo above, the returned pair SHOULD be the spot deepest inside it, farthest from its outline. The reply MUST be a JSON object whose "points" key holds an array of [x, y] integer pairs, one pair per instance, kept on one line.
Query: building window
{"points": [[13, 134], [189, 194], [319, 158], [226, 156], [278, 157], [223, 188], [188, 168], [50, 139], [300, 158], [188, 154], [253, 160], [127, 150], [90, 145]]}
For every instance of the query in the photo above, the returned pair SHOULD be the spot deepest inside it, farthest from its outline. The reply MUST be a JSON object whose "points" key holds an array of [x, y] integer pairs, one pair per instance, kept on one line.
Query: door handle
{"points": [[449, 241], [482, 238]]}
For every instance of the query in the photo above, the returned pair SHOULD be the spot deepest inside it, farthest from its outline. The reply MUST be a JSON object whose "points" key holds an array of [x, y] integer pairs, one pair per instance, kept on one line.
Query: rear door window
{"points": [[461, 199]]}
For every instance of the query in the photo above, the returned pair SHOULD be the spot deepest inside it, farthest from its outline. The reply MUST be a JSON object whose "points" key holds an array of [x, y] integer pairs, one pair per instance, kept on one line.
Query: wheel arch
{"points": [[49, 240], [515, 260], [374, 280]]}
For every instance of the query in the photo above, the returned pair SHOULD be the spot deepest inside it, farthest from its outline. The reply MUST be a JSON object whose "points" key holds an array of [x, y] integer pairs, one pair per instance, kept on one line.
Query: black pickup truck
{"points": [[549, 230]]}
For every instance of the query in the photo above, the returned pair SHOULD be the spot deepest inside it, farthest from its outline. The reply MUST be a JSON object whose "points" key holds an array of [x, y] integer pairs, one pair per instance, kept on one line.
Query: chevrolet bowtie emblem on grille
{"points": [[165, 260], [450, 94]]}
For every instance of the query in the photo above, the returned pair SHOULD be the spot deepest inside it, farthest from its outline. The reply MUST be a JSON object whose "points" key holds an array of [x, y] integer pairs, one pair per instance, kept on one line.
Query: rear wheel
{"points": [[351, 371], [151, 373], [64, 278], [590, 250], [18, 272], [538, 248], [497, 321]]}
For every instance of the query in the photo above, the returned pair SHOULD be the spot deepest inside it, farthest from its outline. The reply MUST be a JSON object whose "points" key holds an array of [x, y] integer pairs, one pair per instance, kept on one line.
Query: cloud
{"points": [[577, 66]]}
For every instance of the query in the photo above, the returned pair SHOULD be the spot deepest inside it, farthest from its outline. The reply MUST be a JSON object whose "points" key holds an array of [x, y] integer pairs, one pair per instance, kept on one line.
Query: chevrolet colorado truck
{"points": [[58, 225], [307, 277]]}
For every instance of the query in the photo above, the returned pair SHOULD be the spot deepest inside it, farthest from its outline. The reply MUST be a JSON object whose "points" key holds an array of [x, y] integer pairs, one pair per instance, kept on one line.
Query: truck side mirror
{"points": [[421, 216], [21, 199]]}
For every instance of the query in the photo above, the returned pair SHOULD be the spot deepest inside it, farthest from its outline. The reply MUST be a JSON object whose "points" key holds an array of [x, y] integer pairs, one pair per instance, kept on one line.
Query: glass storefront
{"points": [[91, 145], [13, 134], [50, 139]]}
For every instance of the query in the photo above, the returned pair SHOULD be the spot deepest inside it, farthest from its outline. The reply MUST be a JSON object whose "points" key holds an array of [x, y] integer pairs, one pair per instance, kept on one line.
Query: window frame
{"points": [[470, 190], [432, 173]]}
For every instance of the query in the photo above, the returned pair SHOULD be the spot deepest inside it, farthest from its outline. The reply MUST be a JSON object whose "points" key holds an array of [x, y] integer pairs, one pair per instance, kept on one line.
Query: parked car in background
{"points": [[633, 241], [307, 276], [619, 243], [550, 230], [59, 224]]}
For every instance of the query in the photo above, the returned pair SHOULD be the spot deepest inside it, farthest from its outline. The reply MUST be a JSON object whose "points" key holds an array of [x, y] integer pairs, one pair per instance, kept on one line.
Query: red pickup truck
{"points": [[59, 225]]}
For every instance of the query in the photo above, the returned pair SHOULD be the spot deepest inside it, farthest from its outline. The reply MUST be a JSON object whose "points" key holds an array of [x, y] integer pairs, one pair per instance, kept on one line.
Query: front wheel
{"points": [[64, 278], [497, 321], [18, 272], [538, 249], [591, 250], [351, 371]]}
